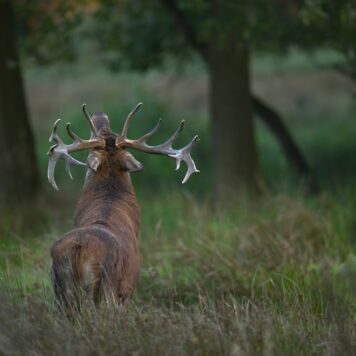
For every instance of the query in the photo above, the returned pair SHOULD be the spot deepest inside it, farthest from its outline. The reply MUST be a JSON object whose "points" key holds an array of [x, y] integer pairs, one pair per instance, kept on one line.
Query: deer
{"points": [[99, 258]]}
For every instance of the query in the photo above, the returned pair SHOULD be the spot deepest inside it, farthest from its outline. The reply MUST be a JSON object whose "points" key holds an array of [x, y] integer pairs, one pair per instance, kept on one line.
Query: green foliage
{"points": [[334, 25], [48, 30], [135, 34], [145, 31], [142, 34], [273, 277]]}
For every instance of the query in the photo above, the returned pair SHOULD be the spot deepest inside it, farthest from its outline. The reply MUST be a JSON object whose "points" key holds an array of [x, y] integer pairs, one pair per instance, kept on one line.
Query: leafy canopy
{"points": [[143, 33]]}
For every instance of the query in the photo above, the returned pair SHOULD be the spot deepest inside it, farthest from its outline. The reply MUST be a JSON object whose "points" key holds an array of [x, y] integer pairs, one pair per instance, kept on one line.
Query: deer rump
{"points": [[91, 263]]}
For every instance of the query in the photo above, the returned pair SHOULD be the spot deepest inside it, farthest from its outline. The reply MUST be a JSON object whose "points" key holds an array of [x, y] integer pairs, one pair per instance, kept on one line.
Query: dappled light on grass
{"points": [[274, 276]]}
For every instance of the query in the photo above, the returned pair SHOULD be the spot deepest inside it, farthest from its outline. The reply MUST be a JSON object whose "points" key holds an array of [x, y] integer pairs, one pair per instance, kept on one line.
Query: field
{"points": [[275, 276]]}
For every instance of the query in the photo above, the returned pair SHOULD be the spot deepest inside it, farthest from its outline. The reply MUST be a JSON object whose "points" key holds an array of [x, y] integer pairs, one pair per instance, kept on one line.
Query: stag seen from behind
{"points": [[99, 258]]}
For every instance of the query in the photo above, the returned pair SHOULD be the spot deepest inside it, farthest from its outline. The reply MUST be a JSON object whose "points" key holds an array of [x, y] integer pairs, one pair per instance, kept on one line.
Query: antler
{"points": [[61, 151], [165, 148]]}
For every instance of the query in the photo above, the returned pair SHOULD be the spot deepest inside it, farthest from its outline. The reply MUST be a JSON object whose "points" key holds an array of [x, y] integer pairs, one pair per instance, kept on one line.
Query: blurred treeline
{"points": [[267, 85]]}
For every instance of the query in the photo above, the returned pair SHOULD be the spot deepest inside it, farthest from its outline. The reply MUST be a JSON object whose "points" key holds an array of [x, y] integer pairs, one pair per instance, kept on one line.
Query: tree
{"points": [[141, 34], [19, 179]]}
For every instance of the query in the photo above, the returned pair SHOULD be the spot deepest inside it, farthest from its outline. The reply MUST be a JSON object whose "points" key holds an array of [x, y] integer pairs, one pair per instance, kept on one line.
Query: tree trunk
{"points": [[233, 136], [19, 178]]}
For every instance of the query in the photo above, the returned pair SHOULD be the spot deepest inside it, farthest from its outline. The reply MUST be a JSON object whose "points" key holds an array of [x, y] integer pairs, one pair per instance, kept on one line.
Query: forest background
{"points": [[256, 253]]}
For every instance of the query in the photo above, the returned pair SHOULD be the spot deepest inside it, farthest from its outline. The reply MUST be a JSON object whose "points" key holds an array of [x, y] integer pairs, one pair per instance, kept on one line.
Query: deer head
{"points": [[103, 139]]}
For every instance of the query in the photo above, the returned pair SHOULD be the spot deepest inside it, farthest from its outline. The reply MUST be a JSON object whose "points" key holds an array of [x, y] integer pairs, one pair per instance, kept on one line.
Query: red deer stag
{"points": [[100, 257]]}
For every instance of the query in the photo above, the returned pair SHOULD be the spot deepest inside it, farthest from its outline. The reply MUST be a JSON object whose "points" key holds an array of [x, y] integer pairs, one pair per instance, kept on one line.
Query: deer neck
{"points": [[108, 198]]}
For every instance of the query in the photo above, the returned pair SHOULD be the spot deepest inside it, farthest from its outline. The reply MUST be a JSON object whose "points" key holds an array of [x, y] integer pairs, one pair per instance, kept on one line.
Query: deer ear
{"points": [[94, 161], [131, 164]]}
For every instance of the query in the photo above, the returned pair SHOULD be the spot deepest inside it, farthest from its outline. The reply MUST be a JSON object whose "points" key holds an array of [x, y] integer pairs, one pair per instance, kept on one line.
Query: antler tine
{"points": [[184, 155], [168, 144], [54, 135], [62, 151], [165, 148], [74, 136], [56, 153], [50, 170], [128, 120], [145, 137], [92, 127]]}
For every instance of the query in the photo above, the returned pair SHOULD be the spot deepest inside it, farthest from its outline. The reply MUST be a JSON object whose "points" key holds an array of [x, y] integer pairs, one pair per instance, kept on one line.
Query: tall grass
{"points": [[273, 277]]}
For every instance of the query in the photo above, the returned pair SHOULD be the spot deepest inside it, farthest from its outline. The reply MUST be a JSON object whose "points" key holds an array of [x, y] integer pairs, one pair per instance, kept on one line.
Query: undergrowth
{"points": [[272, 277]]}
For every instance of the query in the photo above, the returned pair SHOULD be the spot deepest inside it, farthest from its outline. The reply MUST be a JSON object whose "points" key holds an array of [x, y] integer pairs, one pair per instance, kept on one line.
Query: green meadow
{"points": [[274, 276]]}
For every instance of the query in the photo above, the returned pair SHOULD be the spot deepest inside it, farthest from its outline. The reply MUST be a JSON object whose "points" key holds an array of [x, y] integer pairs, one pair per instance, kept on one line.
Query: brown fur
{"points": [[100, 256]]}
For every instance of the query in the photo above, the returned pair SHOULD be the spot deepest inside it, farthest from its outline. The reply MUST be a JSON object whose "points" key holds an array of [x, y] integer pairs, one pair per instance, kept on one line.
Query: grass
{"points": [[275, 276]]}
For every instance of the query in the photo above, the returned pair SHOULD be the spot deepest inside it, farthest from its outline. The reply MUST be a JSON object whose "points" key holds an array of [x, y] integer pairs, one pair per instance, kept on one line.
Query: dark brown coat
{"points": [[99, 257]]}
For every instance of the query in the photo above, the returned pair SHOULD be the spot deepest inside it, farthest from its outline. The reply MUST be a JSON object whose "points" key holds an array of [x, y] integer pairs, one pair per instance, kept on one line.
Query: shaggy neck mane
{"points": [[108, 199]]}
